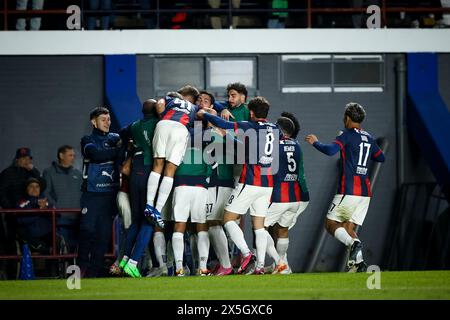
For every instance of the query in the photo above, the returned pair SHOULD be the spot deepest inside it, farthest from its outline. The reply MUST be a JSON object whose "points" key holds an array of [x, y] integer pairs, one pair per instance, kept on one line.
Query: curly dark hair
{"points": [[355, 112]]}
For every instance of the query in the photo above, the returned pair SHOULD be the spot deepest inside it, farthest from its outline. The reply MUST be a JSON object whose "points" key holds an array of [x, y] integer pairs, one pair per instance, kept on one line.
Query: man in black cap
{"points": [[12, 179], [12, 186]]}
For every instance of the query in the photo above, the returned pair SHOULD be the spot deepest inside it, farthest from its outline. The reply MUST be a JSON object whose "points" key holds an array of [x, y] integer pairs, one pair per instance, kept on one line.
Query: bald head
{"points": [[148, 107]]}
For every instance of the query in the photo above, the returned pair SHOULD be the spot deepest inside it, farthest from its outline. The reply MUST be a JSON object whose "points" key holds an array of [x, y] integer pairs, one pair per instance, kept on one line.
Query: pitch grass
{"points": [[394, 285]]}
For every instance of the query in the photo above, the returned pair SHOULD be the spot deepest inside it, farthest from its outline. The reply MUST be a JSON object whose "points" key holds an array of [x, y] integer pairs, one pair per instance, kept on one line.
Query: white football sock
{"points": [[342, 235], [152, 187], [261, 246], [159, 242], [203, 248], [220, 242], [164, 192], [237, 236], [271, 251], [178, 248], [282, 247]]}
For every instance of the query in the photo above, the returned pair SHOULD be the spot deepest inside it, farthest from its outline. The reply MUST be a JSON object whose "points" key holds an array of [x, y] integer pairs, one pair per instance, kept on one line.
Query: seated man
{"points": [[34, 229]]}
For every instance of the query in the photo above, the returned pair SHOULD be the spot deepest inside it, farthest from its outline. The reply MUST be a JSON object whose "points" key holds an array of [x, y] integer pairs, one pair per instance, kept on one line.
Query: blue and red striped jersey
{"points": [[289, 183], [261, 137], [179, 110], [356, 147]]}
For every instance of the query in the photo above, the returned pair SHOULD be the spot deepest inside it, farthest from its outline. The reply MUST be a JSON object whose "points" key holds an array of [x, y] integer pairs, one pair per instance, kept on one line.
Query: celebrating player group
{"points": [[195, 167]]}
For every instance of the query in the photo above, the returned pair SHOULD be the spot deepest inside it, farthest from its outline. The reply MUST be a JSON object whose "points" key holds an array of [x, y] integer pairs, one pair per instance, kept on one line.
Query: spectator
{"points": [[12, 183], [13, 178], [149, 20], [278, 19], [35, 22], [105, 18], [64, 191], [445, 21], [35, 229], [216, 21], [101, 152]]}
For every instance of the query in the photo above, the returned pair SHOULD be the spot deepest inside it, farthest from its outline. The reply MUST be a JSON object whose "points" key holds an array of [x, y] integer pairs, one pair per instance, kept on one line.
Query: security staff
{"points": [[102, 152]]}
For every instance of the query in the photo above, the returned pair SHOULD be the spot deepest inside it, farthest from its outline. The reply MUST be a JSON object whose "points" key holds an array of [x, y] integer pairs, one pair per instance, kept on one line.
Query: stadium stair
{"points": [[428, 118], [120, 89]]}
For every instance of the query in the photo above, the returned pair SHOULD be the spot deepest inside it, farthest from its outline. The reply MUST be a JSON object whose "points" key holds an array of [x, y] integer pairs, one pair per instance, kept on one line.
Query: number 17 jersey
{"points": [[356, 148]]}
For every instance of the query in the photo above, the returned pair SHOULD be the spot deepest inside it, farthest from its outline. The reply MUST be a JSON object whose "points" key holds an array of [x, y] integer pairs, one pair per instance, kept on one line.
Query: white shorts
{"points": [[217, 198], [246, 196], [170, 141], [284, 213], [188, 202], [349, 208]]}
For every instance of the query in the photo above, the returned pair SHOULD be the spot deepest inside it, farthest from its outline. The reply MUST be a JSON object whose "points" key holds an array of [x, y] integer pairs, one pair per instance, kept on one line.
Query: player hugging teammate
{"points": [[193, 181]]}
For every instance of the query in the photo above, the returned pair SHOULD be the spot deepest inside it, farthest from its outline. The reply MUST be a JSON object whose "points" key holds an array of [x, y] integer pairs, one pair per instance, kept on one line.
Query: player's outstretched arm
{"points": [[328, 149], [217, 121]]}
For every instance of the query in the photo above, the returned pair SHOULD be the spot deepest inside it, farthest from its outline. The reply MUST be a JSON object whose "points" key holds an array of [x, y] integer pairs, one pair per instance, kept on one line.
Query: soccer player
{"points": [[220, 186], [350, 205], [256, 182], [290, 195], [189, 201], [177, 112], [140, 232], [235, 108]]}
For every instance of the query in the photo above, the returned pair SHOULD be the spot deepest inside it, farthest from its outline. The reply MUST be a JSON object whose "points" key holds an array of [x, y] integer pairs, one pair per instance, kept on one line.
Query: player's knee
{"points": [[169, 169], [158, 165], [214, 223], [283, 232], [331, 226], [180, 227], [229, 216], [202, 227], [258, 223]]}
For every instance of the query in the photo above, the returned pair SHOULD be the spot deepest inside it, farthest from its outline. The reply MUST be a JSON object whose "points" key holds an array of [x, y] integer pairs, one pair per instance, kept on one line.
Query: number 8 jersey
{"points": [[261, 137], [356, 147]]}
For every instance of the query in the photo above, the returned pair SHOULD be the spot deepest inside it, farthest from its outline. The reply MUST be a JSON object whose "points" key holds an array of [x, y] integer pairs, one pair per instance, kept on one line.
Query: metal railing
{"points": [[229, 11], [419, 218], [54, 254]]}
